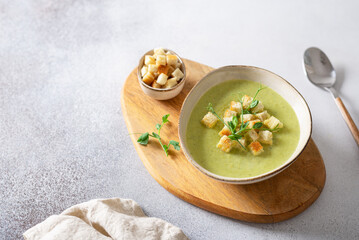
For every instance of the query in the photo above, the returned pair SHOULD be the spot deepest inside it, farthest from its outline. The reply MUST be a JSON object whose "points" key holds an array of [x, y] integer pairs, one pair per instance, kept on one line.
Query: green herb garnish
{"points": [[260, 89], [175, 145], [253, 104], [254, 101], [238, 129], [143, 139], [245, 111], [257, 125], [232, 125], [211, 109]]}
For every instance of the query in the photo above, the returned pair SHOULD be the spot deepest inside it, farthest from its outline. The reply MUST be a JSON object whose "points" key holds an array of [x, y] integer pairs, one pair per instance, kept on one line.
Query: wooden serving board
{"points": [[276, 199]]}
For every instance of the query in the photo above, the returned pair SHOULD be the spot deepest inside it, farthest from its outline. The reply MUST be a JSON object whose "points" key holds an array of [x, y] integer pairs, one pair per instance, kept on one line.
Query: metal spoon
{"points": [[321, 73]]}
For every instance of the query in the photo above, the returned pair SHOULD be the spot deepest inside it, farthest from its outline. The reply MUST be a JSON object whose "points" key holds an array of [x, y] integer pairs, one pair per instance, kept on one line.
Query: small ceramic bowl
{"points": [[159, 93], [275, 82]]}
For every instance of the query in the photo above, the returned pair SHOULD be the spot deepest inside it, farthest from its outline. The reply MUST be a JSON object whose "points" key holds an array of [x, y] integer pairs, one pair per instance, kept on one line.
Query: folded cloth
{"points": [[102, 219]]}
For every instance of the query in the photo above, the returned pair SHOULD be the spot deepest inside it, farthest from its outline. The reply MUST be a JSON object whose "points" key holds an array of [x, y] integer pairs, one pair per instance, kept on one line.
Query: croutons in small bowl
{"points": [[243, 124], [161, 73]]}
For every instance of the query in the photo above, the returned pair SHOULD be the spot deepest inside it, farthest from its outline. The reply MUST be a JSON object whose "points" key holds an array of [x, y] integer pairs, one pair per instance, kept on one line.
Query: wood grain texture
{"points": [[277, 199], [348, 119]]}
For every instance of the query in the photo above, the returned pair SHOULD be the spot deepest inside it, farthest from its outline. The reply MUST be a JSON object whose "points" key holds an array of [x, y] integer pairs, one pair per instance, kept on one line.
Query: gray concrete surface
{"points": [[63, 139]]}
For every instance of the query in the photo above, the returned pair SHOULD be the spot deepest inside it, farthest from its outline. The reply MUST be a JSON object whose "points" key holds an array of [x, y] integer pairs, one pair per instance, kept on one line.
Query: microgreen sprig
{"points": [[211, 109], [259, 89], [143, 139], [254, 101], [232, 125]]}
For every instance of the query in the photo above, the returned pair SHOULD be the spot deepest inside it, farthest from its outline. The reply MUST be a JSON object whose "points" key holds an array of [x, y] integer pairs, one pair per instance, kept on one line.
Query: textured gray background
{"points": [[63, 139]]}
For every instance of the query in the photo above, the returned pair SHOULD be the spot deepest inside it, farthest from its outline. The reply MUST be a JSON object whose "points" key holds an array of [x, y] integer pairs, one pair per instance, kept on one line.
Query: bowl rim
{"points": [[247, 180], [141, 63]]}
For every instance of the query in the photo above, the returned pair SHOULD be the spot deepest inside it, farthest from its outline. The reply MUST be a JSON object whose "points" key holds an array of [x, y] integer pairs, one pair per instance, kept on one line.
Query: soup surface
{"points": [[202, 141]]}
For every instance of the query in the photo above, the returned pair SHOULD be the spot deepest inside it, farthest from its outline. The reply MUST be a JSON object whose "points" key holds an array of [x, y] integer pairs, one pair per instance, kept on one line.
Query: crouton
{"points": [[177, 65], [209, 120], [170, 71], [256, 148], [236, 106], [230, 113], [161, 60], [225, 131], [253, 135], [235, 144], [178, 73], [153, 68], [149, 60], [171, 60], [163, 69], [272, 122], [170, 82], [155, 85], [246, 101], [248, 117], [162, 79], [148, 78], [258, 108], [263, 116], [158, 51], [225, 144], [252, 122], [266, 137], [144, 70]]}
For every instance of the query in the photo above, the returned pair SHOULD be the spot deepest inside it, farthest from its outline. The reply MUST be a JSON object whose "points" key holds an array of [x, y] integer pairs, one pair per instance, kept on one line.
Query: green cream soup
{"points": [[202, 141]]}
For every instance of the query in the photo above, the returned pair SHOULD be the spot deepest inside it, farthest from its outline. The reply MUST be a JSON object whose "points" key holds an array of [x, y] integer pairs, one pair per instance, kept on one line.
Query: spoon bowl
{"points": [[318, 68]]}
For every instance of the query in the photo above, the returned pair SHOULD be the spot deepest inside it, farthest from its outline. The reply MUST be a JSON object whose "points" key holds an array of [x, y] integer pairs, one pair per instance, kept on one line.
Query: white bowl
{"points": [[275, 82], [159, 93]]}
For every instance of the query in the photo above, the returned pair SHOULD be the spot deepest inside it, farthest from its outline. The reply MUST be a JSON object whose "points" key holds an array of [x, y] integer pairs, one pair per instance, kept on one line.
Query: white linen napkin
{"points": [[102, 219]]}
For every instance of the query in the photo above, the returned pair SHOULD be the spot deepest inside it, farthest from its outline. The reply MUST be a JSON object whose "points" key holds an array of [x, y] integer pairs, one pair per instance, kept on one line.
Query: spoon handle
{"points": [[348, 119]]}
